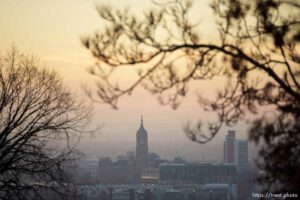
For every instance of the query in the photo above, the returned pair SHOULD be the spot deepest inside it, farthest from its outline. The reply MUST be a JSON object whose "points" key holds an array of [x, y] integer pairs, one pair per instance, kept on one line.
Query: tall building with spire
{"points": [[141, 146]]}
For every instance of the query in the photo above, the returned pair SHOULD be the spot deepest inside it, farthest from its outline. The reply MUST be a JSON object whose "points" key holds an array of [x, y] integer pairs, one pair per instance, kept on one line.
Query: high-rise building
{"points": [[241, 155], [229, 147], [241, 161], [236, 152], [141, 146]]}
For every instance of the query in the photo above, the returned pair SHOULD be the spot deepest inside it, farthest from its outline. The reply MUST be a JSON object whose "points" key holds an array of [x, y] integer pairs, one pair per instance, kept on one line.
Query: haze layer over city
{"points": [[54, 37]]}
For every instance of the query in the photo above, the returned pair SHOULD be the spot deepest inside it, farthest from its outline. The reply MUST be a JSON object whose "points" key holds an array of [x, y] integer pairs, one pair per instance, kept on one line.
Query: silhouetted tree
{"points": [[257, 51], [40, 123]]}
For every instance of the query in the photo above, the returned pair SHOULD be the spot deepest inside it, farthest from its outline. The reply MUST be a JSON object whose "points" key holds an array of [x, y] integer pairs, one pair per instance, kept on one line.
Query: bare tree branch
{"points": [[37, 113], [257, 52]]}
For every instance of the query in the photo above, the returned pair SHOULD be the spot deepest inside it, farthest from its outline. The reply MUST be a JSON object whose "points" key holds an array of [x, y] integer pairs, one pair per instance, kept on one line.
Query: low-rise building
{"points": [[197, 173]]}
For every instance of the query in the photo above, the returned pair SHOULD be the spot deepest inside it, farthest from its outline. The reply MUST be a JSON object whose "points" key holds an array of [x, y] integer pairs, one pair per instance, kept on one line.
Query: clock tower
{"points": [[141, 146]]}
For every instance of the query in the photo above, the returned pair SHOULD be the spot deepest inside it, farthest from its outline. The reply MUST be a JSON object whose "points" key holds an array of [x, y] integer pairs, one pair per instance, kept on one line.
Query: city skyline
{"points": [[165, 149], [147, 175]]}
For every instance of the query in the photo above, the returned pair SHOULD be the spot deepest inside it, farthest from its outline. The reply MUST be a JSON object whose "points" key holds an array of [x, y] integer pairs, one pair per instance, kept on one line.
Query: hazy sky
{"points": [[51, 29]]}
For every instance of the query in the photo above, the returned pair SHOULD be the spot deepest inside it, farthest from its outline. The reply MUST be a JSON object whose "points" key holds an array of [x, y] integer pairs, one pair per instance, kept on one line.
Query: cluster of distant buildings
{"points": [[155, 192], [145, 176]]}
